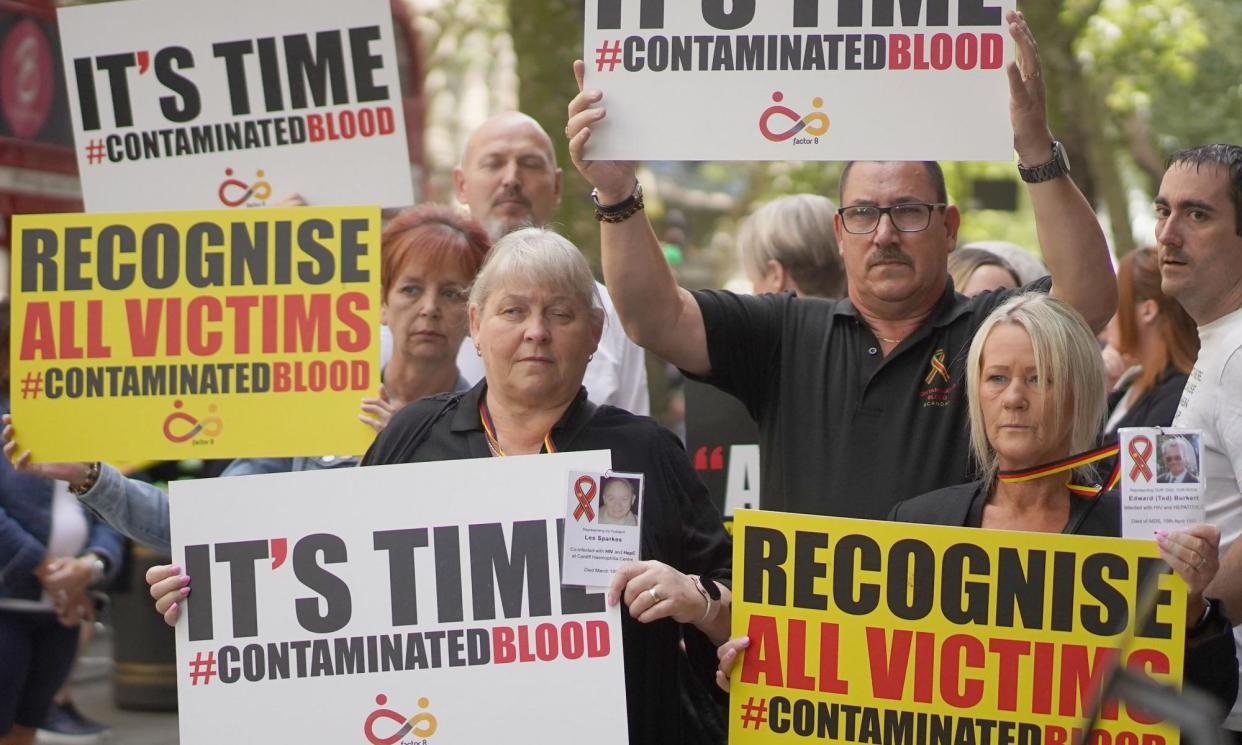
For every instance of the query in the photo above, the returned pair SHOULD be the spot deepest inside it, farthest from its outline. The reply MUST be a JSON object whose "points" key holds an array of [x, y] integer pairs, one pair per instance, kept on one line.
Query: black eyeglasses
{"points": [[908, 217]]}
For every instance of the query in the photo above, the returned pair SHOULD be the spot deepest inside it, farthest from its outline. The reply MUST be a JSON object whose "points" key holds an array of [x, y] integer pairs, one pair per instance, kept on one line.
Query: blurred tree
{"points": [[547, 37]]}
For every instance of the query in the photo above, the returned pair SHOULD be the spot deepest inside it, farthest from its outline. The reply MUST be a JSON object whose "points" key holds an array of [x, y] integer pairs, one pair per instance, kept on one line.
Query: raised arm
{"points": [[657, 313], [1070, 236]]}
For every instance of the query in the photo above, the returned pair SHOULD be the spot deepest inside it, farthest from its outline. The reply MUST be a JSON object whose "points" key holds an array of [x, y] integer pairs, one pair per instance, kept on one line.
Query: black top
{"points": [[1211, 662], [962, 506], [680, 527], [844, 430], [1155, 408]]}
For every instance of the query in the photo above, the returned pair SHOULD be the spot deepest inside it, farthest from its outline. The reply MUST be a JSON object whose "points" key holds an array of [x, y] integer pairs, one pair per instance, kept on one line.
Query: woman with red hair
{"points": [[1157, 338]]}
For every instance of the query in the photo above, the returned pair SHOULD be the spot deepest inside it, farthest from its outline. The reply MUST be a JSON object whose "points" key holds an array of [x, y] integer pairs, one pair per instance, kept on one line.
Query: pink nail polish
{"points": [[185, 580], [172, 607], [184, 591]]}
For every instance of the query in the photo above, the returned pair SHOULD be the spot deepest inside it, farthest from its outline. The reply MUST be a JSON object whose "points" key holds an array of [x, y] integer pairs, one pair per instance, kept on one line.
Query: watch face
{"points": [[1063, 157]]}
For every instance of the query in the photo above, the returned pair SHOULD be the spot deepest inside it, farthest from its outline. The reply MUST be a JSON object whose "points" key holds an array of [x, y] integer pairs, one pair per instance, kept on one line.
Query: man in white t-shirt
{"points": [[508, 179], [1199, 230]]}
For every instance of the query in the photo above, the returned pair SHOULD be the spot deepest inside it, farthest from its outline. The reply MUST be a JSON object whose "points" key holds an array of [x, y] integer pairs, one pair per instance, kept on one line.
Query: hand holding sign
{"points": [[1194, 553], [73, 473], [653, 590], [169, 587], [728, 654], [614, 179]]}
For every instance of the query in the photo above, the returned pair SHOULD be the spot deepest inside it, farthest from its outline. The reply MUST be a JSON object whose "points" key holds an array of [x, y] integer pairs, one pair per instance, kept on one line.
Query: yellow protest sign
{"points": [[892, 634], [215, 334]]}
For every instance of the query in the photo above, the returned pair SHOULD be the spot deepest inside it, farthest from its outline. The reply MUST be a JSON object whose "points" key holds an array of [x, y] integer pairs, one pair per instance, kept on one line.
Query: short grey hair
{"points": [[541, 257], [796, 231], [1067, 357]]}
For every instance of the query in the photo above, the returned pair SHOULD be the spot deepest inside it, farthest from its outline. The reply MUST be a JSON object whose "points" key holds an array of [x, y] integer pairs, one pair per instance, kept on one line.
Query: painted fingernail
{"points": [[175, 569], [184, 591], [185, 579], [171, 608]]}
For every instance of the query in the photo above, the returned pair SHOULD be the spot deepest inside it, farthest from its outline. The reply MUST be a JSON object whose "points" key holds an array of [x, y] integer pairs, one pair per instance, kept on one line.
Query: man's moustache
{"points": [[888, 256], [516, 197]]}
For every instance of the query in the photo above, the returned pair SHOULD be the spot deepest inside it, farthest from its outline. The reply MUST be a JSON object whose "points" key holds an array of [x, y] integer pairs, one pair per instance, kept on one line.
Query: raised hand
{"points": [[614, 179]]}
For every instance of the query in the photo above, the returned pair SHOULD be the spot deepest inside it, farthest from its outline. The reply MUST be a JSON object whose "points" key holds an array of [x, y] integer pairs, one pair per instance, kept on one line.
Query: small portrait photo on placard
{"points": [[618, 500], [1179, 458], [603, 512]]}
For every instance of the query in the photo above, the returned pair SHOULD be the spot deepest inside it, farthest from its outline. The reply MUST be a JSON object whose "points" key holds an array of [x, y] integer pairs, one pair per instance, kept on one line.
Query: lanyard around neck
{"points": [[1069, 464], [489, 429]]}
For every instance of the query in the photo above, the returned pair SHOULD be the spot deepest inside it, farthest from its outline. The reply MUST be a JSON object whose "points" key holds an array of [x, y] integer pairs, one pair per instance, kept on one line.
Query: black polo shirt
{"points": [[845, 430]]}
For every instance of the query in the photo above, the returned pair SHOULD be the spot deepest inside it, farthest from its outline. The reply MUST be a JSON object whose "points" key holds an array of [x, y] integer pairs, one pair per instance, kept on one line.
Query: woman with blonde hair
{"points": [[789, 244], [975, 270], [1035, 390]]}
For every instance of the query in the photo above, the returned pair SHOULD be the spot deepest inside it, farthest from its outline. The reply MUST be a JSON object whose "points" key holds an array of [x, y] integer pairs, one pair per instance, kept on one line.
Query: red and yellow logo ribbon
{"points": [[937, 368]]}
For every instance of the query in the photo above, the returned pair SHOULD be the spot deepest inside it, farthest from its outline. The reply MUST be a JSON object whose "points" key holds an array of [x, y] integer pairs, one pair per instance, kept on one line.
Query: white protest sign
{"points": [[1160, 484], [800, 79], [190, 105], [391, 604]]}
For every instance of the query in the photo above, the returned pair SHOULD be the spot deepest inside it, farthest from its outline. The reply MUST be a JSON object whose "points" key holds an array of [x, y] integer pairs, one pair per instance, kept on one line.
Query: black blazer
{"points": [[1211, 656]]}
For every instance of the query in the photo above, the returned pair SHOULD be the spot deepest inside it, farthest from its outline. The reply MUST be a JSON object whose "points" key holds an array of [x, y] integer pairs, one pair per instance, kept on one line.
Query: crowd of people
{"points": [[893, 375]]}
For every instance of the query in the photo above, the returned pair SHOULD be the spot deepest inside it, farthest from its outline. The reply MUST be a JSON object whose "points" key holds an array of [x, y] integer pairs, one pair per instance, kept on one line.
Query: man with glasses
{"points": [[860, 401]]}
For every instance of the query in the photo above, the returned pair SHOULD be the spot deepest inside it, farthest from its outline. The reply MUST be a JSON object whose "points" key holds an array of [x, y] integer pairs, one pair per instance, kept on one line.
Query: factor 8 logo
{"points": [[421, 725], [815, 124], [176, 423], [234, 192]]}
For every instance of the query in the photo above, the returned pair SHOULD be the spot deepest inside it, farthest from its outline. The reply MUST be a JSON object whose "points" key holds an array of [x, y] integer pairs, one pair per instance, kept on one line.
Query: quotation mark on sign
{"points": [[753, 713], [32, 385], [203, 668], [713, 462], [144, 62], [280, 550], [94, 151], [609, 54]]}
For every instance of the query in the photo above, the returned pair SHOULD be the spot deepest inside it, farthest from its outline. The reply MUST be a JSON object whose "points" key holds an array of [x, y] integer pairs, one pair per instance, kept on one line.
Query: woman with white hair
{"points": [[789, 244], [536, 318]]}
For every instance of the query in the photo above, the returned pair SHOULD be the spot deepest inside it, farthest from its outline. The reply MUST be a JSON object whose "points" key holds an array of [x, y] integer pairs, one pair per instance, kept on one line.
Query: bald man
{"points": [[508, 179]]}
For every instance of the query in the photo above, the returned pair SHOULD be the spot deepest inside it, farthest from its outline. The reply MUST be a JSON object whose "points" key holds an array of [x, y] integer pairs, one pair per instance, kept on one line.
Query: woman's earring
{"points": [[590, 356], [478, 351]]}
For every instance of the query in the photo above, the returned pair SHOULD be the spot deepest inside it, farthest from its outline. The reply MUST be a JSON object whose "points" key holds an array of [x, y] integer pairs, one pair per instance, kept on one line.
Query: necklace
{"points": [[886, 339]]}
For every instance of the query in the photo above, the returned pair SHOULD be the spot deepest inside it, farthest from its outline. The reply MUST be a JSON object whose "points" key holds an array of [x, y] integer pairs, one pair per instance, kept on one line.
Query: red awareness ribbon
{"points": [[584, 490], [1140, 458]]}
